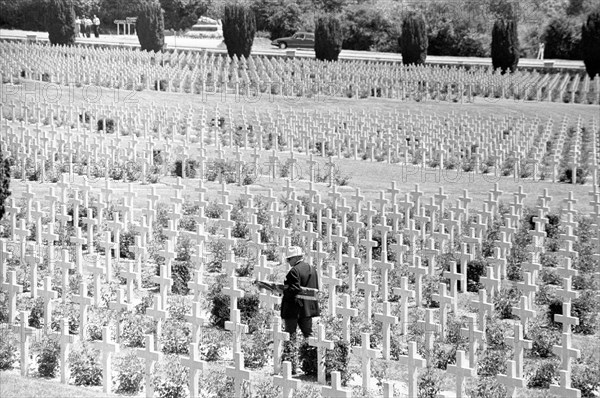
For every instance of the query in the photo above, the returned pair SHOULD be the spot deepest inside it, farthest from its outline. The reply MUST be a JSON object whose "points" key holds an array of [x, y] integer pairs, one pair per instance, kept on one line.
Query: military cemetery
{"points": [[150, 202]]}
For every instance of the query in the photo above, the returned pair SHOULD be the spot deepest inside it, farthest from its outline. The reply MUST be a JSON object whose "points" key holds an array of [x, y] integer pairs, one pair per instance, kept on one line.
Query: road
{"points": [[262, 47]]}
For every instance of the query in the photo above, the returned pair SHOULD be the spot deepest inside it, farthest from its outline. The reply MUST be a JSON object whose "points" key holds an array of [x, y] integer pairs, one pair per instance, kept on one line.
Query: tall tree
{"points": [[183, 14], [413, 39], [285, 20], [4, 182], [61, 22], [328, 38], [560, 40], [150, 26], [590, 43], [505, 45], [239, 28]]}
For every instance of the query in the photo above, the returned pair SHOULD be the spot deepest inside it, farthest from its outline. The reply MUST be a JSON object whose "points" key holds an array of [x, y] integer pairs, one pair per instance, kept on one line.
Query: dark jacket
{"points": [[300, 275]]}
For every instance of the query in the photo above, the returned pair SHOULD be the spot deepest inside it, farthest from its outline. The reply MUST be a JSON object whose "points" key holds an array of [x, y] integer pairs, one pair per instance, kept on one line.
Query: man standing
{"points": [[77, 26], [541, 51], [82, 26], [96, 22], [297, 311], [88, 26]]}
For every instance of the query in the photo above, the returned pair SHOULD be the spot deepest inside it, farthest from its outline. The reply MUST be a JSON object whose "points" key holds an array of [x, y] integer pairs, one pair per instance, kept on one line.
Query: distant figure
{"points": [[541, 51], [82, 26], [77, 26], [88, 27], [96, 22]]}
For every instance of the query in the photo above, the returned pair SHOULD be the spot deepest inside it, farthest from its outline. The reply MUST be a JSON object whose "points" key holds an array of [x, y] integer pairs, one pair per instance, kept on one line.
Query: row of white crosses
{"points": [[207, 72], [391, 136], [433, 230]]}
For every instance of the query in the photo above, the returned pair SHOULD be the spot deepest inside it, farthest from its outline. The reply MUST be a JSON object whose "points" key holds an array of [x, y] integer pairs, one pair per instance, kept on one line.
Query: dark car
{"points": [[298, 40]]}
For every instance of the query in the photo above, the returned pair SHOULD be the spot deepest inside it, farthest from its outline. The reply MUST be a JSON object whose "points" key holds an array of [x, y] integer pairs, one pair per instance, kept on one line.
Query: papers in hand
{"points": [[306, 293], [273, 287]]}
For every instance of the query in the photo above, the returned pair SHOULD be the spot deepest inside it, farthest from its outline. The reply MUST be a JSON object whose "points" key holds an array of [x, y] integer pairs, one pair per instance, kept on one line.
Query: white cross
{"points": [[285, 381], [321, 343], [461, 370], [413, 362], [238, 373], [107, 347]]}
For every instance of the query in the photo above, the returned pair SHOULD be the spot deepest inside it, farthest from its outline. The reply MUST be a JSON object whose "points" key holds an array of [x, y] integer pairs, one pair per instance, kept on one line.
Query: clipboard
{"points": [[306, 293]]}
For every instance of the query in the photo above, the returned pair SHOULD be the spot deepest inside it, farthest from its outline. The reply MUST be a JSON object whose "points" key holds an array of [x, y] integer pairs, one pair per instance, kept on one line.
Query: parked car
{"points": [[298, 40]]}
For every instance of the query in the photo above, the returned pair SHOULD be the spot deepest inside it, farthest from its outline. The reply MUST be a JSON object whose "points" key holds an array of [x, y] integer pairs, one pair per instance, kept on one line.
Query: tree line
{"points": [[412, 36]]}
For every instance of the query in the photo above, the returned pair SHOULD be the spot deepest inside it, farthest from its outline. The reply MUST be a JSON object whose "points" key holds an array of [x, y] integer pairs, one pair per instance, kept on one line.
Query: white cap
{"points": [[293, 251]]}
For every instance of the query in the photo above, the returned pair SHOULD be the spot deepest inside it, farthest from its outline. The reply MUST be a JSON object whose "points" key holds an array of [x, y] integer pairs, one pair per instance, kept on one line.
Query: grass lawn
{"points": [[13, 385]]}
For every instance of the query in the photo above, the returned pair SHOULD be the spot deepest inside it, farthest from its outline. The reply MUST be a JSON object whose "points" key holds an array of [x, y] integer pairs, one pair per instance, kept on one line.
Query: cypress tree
{"points": [[239, 28], [590, 43], [413, 39], [328, 38], [4, 182], [150, 26], [61, 22], [505, 44]]}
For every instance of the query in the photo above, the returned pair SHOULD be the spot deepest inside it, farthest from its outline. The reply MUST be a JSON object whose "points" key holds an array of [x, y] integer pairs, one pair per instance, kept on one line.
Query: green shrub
{"points": [[488, 387], [544, 374], [107, 125], [308, 359], [338, 359], [429, 383], [431, 285], [181, 268], [8, 349], [505, 45], [239, 28], [61, 22], [505, 300], [221, 169], [150, 26], [4, 182], [212, 346], [191, 167], [134, 328], [566, 176], [36, 314], [413, 39], [550, 277], [47, 350], [328, 38], [586, 307], [176, 337], [248, 306], [130, 373], [441, 356], [170, 378], [475, 269], [290, 353], [84, 366], [257, 349], [585, 374], [495, 330], [543, 339], [217, 384], [590, 42], [491, 363]]}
